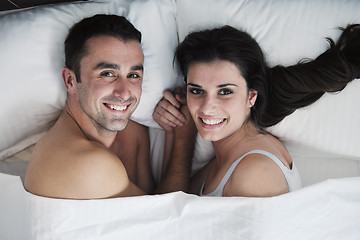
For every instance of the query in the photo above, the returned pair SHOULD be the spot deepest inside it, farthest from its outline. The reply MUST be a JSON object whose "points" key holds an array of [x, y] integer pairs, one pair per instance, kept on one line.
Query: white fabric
{"points": [[315, 166], [329, 210], [15, 214]]}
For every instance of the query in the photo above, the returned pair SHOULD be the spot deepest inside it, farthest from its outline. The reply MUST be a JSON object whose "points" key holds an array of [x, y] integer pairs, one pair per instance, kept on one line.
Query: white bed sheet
{"points": [[327, 210]]}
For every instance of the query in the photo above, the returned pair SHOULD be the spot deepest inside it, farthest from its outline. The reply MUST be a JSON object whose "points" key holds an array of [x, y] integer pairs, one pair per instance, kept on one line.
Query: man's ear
{"points": [[69, 80], [252, 97]]}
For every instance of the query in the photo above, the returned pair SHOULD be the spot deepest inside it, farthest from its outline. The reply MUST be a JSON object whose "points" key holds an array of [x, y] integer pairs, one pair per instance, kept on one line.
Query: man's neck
{"points": [[88, 127]]}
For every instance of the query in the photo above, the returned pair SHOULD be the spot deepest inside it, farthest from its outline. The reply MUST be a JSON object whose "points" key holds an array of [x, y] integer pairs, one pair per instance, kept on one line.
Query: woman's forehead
{"points": [[216, 72]]}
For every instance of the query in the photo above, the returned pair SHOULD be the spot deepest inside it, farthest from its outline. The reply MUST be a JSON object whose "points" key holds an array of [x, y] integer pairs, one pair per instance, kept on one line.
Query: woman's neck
{"points": [[234, 145]]}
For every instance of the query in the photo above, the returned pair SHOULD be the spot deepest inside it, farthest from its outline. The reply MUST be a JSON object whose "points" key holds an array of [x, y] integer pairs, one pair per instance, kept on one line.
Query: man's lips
{"points": [[117, 107]]}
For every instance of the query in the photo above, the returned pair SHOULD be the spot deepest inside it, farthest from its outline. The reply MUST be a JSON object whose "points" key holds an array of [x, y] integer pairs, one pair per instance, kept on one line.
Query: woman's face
{"points": [[218, 98]]}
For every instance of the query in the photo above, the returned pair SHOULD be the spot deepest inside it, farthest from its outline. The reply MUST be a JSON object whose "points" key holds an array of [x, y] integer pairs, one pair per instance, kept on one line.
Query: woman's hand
{"points": [[167, 112]]}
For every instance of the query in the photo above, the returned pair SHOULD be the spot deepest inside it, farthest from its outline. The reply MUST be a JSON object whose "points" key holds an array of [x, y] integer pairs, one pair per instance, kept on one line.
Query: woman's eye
{"points": [[195, 91], [225, 92]]}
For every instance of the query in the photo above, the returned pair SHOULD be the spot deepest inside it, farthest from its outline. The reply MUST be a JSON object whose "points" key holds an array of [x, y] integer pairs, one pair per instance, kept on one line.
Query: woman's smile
{"points": [[212, 123]]}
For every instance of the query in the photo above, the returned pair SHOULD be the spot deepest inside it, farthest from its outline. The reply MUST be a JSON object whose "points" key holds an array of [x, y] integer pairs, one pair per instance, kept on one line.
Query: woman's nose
{"points": [[209, 105]]}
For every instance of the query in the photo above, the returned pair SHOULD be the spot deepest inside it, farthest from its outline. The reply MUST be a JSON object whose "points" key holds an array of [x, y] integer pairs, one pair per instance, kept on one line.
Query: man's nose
{"points": [[122, 89]]}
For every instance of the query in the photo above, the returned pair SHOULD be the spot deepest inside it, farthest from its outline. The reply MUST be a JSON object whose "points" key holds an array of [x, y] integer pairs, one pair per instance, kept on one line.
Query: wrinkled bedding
{"points": [[327, 210]]}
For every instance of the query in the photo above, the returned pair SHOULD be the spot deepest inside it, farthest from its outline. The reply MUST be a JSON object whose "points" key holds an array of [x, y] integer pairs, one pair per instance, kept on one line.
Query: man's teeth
{"points": [[119, 108], [212, 121]]}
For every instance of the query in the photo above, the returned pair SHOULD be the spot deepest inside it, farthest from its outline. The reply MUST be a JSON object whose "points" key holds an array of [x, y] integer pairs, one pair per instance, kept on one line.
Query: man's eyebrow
{"points": [[139, 67], [103, 65]]}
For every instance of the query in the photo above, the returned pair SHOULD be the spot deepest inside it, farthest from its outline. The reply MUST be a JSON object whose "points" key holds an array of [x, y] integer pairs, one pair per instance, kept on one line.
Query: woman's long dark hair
{"points": [[281, 90], [302, 84]]}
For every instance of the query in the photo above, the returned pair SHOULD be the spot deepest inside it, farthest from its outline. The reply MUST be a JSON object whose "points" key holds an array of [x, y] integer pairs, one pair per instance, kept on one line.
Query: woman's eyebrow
{"points": [[219, 86], [227, 85], [194, 85]]}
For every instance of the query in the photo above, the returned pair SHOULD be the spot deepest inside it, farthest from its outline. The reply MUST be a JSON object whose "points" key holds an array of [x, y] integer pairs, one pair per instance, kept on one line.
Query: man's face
{"points": [[111, 78]]}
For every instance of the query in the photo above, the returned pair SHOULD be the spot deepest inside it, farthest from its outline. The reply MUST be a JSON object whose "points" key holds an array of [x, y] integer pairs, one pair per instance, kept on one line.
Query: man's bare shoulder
{"points": [[81, 170]]}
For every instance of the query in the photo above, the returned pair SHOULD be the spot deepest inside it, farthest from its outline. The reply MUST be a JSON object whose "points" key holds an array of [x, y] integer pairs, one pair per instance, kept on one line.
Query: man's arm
{"points": [[132, 147], [144, 176]]}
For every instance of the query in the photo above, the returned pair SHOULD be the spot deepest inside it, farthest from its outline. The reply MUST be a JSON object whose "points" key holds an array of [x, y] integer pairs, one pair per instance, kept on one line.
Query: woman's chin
{"points": [[210, 137]]}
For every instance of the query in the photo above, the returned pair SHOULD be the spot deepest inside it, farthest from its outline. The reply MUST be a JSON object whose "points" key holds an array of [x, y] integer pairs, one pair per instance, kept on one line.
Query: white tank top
{"points": [[291, 175]]}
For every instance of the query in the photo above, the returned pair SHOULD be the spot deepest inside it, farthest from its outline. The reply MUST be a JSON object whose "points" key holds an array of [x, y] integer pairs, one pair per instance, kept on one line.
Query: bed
{"points": [[323, 139]]}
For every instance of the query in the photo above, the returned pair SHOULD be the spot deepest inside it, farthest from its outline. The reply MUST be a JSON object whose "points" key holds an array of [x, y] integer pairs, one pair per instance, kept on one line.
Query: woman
{"points": [[232, 96]]}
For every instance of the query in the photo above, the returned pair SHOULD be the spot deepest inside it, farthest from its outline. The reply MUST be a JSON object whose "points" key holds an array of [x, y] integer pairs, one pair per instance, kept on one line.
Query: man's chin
{"points": [[115, 125], [119, 127]]}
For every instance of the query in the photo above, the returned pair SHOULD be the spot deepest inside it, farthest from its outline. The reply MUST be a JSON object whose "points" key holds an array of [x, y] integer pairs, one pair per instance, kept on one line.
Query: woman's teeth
{"points": [[212, 121]]}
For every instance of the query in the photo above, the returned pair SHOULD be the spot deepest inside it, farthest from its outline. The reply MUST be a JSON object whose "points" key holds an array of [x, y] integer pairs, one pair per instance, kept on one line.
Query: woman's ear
{"points": [[69, 80], [252, 97]]}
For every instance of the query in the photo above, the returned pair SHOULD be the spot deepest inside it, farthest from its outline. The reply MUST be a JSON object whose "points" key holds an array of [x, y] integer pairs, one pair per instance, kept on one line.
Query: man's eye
{"points": [[133, 75], [225, 91], [107, 74], [195, 91]]}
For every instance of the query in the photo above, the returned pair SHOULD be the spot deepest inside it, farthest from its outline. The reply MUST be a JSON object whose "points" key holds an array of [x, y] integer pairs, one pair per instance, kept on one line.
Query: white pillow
{"points": [[33, 94], [315, 166], [332, 124], [289, 31], [156, 21]]}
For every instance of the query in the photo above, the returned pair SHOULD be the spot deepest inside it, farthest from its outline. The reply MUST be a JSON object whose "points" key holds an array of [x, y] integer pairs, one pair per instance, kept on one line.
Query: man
{"points": [[82, 156]]}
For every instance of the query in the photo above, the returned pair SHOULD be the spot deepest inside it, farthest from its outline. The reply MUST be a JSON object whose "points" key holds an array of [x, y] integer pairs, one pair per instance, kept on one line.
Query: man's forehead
{"points": [[109, 50], [98, 43]]}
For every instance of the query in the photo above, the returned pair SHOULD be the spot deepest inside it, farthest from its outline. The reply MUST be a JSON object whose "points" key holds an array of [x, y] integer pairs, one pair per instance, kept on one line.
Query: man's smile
{"points": [[117, 107]]}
